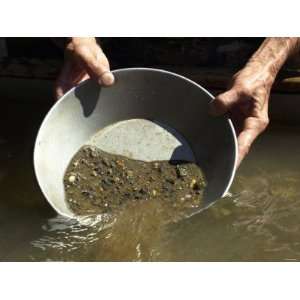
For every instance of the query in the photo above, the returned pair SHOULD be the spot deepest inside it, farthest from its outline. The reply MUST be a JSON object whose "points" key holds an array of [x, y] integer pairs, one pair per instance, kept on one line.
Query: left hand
{"points": [[83, 59]]}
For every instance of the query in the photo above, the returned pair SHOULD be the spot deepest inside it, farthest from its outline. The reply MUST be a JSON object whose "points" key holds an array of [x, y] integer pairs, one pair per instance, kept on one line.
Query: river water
{"points": [[259, 221]]}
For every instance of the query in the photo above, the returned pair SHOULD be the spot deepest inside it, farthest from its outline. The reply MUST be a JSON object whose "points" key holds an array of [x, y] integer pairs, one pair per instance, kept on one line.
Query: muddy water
{"points": [[259, 221]]}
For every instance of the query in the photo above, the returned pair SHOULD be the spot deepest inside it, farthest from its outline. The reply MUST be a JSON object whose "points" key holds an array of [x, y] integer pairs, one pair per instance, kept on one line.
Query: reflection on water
{"points": [[259, 221]]}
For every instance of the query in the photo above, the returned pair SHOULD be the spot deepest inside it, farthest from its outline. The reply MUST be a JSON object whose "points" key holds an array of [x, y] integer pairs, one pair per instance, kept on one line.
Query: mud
{"points": [[97, 182]]}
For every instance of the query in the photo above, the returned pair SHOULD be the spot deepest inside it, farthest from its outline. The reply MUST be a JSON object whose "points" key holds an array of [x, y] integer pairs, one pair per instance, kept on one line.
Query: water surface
{"points": [[259, 221]]}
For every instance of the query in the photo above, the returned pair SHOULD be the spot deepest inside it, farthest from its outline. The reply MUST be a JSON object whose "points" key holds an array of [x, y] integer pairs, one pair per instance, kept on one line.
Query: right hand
{"points": [[246, 102]]}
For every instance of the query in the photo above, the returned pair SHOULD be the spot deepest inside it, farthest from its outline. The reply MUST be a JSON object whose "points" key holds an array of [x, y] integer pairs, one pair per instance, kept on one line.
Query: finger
{"points": [[253, 127], [62, 86], [96, 63], [59, 91], [69, 77], [107, 78], [245, 140], [223, 102]]}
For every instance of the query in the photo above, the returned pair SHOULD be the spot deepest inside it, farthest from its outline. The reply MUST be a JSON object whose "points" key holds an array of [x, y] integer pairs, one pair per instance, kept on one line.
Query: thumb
{"points": [[96, 64], [223, 102]]}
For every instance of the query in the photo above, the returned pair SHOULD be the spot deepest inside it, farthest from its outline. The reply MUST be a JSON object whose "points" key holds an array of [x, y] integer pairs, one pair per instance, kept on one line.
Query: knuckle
{"points": [[242, 86], [264, 122], [244, 91], [225, 98], [221, 102]]}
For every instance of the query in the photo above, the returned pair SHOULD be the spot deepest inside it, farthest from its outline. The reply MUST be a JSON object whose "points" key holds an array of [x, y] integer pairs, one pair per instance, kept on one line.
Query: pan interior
{"points": [[143, 139]]}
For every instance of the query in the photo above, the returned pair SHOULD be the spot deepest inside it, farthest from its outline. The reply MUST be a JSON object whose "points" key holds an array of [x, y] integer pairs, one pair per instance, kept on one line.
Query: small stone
{"points": [[188, 196], [152, 178], [181, 171], [94, 173], [93, 154], [129, 173], [193, 183], [83, 161], [105, 162], [86, 193], [154, 193], [143, 191], [86, 149], [170, 180], [156, 165], [72, 178], [120, 163], [80, 176]]}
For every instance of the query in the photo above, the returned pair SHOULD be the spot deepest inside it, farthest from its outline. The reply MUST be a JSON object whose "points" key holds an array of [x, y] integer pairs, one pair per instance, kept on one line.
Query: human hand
{"points": [[246, 103], [83, 59]]}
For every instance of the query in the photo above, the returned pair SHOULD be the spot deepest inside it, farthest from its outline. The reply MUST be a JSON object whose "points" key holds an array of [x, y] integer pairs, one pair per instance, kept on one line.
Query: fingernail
{"points": [[106, 79]]}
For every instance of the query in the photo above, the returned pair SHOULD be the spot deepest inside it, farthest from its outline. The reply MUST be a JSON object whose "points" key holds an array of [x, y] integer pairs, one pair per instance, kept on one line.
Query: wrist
{"points": [[261, 71], [252, 76], [272, 55]]}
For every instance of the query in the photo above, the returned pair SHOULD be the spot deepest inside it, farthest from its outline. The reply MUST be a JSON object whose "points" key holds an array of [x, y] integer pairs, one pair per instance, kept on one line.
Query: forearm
{"points": [[247, 99], [272, 54]]}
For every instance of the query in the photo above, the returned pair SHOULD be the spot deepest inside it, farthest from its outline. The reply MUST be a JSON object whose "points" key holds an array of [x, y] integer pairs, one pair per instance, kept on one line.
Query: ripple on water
{"points": [[259, 221]]}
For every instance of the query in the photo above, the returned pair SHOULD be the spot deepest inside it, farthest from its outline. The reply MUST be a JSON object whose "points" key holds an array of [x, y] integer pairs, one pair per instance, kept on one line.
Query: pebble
{"points": [[156, 165], [181, 171], [170, 180], [72, 178], [193, 183], [143, 191], [129, 173], [105, 162]]}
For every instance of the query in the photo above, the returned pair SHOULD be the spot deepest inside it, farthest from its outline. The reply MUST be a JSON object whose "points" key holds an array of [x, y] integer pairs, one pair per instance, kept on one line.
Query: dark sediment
{"points": [[97, 182]]}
